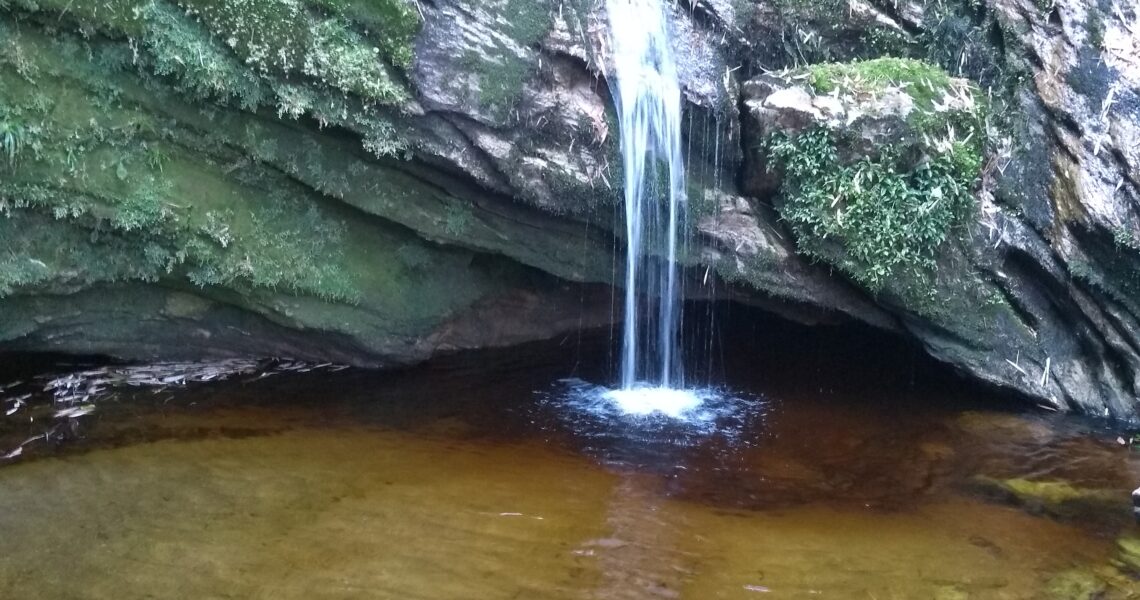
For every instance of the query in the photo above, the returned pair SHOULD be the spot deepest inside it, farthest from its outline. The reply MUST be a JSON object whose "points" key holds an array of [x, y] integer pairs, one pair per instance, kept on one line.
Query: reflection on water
{"points": [[475, 477]]}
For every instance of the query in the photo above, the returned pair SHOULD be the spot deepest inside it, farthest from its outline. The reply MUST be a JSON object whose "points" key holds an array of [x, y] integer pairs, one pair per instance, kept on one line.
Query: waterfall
{"points": [[648, 100]]}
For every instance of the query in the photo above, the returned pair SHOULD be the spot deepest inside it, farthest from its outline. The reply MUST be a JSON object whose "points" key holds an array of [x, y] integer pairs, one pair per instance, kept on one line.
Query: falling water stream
{"points": [[648, 99]]}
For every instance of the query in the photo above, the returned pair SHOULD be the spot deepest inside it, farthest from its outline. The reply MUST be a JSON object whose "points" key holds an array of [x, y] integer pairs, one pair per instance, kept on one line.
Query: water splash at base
{"points": [[669, 402], [652, 415]]}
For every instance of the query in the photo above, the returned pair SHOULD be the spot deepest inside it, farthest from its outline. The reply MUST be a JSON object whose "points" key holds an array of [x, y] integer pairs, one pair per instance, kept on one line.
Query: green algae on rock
{"points": [[1075, 584], [1059, 499], [927, 84], [112, 179], [1128, 555]]}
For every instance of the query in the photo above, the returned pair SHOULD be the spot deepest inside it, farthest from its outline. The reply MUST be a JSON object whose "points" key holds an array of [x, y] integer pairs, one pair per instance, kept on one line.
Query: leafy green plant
{"points": [[877, 217], [156, 157], [1125, 238], [214, 74], [144, 209], [13, 138], [456, 220]]}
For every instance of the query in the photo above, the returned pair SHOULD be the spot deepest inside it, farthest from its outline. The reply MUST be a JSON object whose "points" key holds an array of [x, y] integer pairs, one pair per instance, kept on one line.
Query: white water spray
{"points": [[648, 99]]}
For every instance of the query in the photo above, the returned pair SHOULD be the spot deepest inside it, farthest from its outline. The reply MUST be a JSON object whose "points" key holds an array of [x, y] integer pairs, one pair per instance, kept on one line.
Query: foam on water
{"points": [[669, 402], [651, 417]]}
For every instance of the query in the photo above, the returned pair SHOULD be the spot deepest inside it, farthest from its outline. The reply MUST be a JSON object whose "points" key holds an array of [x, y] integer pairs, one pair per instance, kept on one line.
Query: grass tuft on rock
{"points": [[925, 83]]}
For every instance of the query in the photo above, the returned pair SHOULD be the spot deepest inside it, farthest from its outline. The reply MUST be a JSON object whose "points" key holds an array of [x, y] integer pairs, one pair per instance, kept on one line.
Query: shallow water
{"points": [[479, 477]]}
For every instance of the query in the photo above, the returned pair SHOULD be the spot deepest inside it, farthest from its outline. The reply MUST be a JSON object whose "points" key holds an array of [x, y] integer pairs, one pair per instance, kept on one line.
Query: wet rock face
{"points": [[1048, 260], [1086, 108], [302, 200], [468, 160]]}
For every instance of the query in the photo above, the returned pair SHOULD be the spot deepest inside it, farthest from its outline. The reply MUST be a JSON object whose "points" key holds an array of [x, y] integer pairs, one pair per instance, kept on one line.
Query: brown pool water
{"points": [[458, 481]]}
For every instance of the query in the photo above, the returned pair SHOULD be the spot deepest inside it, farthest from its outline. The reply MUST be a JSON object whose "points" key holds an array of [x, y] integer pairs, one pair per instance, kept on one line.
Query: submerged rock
{"points": [[1128, 555], [1119, 578], [1058, 499], [1075, 584]]}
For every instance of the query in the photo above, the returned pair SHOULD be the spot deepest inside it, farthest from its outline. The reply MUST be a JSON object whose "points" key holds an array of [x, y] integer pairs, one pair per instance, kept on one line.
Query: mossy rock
{"points": [[1075, 584], [924, 82], [1128, 555], [1058, 499], [879, 159], [261, 199]]}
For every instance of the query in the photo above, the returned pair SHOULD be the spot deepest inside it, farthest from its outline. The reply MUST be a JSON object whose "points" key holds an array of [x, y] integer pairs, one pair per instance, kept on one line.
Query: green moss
{"points": [[1059, 499], [143, 208], [281, 243], [1113, 270], [265, 34], [341, 58], [699, 203], [503, 71], [287, 36], [527, 21], [116, 17], [259, 38], [246, 50], [592, 200], [1126, 238], [215, 74], [924, 82], [457, 220], [415, 257], [1075, 584], [100, 194], [392, 23], [146, 149], [1128, 555]]}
